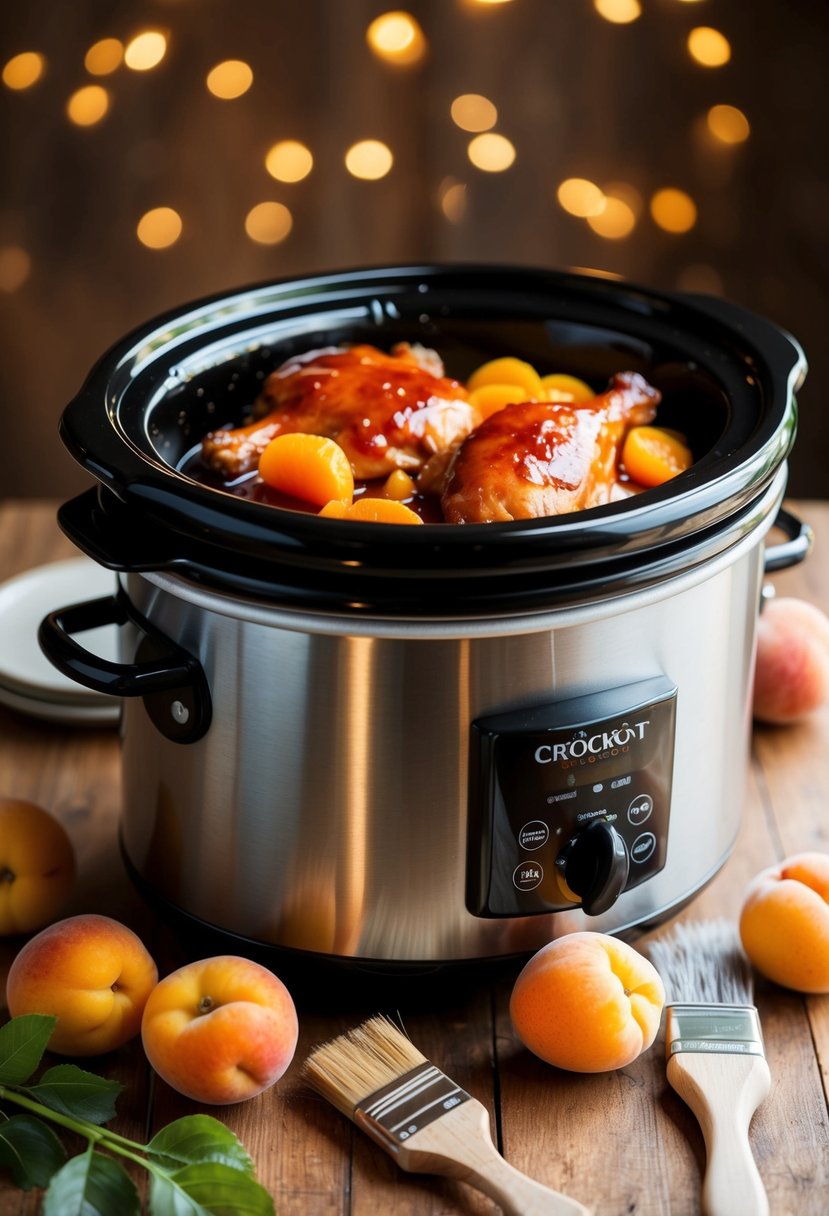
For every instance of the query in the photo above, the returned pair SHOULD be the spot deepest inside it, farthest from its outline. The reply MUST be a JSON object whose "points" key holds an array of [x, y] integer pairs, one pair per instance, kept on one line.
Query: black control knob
{"points": [[595, 865]]}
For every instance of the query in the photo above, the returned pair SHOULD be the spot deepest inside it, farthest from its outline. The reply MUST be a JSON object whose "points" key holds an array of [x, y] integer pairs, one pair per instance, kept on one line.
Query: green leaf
{"points": [[197, 1138], [79, 1094], [30, 1151], [208, 1189], [91, 1185], [22, 1043]]}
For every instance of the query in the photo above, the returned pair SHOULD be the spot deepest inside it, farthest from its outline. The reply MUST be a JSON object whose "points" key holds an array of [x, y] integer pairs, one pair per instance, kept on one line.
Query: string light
{"points": [[268, 223], [397, 38], [159, 228], [615, 220], [453, 200], [709, 47], [15, 267], [104, 57], [88, 105], [473, 112], [490, 152], [728, 124], [229, 79], [289, 161], [620, 12], [23, 70], [145, 51], [673, 210], [369, 159], [580, 197]]}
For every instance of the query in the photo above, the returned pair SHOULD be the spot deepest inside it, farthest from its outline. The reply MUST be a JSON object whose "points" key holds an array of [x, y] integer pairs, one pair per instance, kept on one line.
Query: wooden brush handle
{"points": [[724, 1091], [459, 1145]]}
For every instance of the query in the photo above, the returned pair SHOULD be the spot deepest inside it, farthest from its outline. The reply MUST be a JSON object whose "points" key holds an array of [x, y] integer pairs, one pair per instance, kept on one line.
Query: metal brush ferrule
{"points": [[409, 1103], [717, 1029]]}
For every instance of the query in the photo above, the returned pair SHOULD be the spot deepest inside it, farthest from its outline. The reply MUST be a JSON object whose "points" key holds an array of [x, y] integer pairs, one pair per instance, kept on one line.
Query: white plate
{"points": [[106, 713], [25, 672]]}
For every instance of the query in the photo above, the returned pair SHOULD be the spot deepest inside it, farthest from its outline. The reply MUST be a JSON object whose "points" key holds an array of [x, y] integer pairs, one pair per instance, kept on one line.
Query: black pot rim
{"points": [[147, 515]]}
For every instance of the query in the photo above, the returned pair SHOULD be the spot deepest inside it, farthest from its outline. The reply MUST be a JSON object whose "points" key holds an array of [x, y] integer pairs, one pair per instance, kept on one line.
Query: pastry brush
{"points": [[716, 1061], [374, 1074]]}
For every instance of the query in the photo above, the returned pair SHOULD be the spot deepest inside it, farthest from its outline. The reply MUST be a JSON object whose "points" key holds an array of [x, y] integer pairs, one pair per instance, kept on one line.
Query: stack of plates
{"points": [[28, 681]]}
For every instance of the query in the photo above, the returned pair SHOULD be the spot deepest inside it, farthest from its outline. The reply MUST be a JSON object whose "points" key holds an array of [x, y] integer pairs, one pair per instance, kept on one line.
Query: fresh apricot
{"points": [[90, 972], [652, 455], [791, 669], [490, 398], [220, 1030], [37, 866], [309, 467], [784, 922], [508, 370], [560, 387], [587, 1002]]}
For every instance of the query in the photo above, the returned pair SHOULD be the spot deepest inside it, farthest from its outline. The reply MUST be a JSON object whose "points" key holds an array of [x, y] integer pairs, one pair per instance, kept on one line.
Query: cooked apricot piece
{"points": [[490, 398], [652, 455], [309, 467], [335, 509], [398, 485], [382, 511], [561, 387], [508, 370]]}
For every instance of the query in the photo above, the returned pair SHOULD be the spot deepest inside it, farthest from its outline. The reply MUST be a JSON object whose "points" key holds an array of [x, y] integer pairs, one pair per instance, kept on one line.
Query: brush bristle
{"points": [[350, 1068], [703, 962]]}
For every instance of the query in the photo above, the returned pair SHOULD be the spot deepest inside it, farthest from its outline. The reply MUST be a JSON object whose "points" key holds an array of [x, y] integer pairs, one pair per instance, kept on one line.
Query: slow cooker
{"points": [[407, 747]]}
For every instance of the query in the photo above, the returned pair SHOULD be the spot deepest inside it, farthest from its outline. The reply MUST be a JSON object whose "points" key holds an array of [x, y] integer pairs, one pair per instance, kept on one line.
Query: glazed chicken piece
{"points": [[545, 458], [386, 411]]}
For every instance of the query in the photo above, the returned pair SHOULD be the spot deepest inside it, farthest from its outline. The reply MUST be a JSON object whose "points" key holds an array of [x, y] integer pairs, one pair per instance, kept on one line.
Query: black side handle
{"points": [[791, 551], [170, 680]]}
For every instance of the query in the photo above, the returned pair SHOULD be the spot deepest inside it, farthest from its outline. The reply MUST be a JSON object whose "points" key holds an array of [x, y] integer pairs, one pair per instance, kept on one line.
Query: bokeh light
{"points": [[709, 47], [369, 159], [159, 228], [620, 12], [15, 268], [268, 223], [397, 38], [88, 105], [145, 51], [453, 200], [23, 70], [229, 79], [580, 197], [728, 124], [490, 152], [673, 210], [473, 112], [104, 57], [289, 161], [615, 220]]}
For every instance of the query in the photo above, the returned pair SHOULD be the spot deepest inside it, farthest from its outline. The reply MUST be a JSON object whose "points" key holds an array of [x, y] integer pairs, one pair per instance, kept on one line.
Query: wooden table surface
{"points": [[621, 1142]]}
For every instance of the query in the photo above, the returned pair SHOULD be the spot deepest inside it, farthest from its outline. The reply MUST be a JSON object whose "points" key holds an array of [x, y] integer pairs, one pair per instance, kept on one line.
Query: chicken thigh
{"points": [[545, 458], [385, 411]]}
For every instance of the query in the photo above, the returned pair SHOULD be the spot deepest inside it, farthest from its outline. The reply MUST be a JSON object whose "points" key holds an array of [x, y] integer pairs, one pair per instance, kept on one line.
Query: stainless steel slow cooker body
{"points": [[378, 743]]}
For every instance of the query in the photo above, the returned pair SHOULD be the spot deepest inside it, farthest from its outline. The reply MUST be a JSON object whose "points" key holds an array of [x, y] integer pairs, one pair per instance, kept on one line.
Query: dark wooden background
{"points": [[576, 95]]}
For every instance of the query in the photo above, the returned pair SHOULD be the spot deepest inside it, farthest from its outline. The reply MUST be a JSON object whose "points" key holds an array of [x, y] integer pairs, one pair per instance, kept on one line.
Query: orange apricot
{"points": [[309, 467], [37, 866], [561, 387], [398, 485], [651, 455], [489, 398], [382, 511], [587, 1002], [508, 370], [791, 669], [784, 922]]}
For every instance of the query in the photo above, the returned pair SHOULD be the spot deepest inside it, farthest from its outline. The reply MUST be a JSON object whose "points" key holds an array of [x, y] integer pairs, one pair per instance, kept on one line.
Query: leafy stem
{"points": [[88, 1130]]}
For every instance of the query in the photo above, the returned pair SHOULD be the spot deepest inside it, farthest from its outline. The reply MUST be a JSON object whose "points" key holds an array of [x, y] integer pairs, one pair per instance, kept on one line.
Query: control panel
{"points": [[569, 802]]}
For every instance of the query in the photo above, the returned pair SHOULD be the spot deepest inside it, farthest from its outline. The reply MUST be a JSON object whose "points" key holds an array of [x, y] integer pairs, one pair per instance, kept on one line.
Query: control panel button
{"points": [[527, 876], [642, 848], [640, 809], [533, 835]]}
